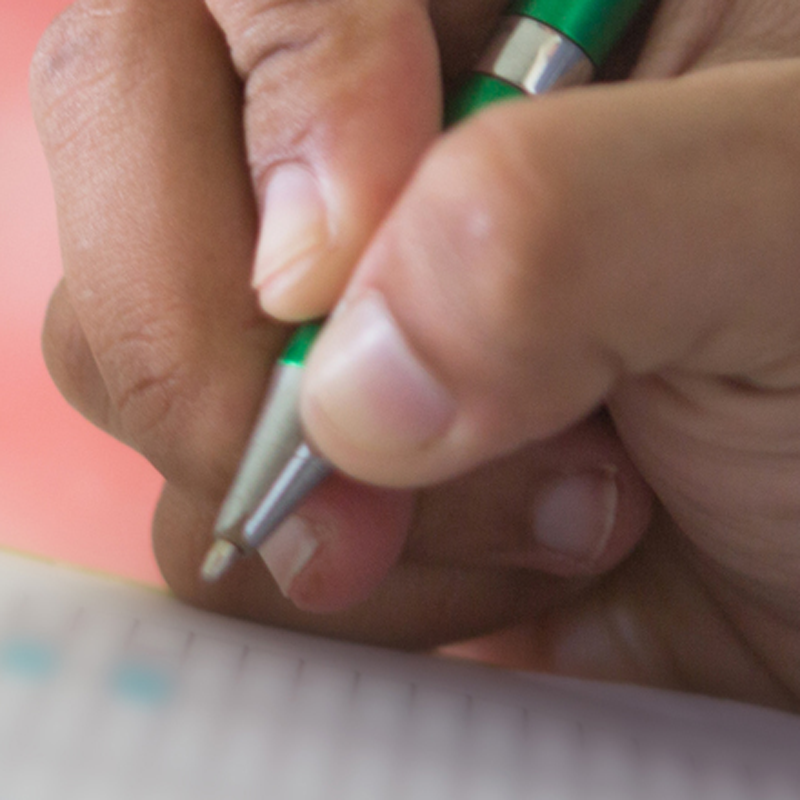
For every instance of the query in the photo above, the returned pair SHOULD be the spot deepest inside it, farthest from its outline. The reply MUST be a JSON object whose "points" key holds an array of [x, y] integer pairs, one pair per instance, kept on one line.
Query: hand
{"points": [[630, 246]]}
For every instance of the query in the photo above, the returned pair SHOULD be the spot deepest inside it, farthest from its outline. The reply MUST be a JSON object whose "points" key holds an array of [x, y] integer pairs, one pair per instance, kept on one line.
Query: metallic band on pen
{"points": [[534, 57], [278, 433], [304, 472]]}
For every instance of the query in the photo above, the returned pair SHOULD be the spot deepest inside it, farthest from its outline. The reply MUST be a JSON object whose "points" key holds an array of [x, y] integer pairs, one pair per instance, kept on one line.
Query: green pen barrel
{"points": [[296, 352], [478, 91]]}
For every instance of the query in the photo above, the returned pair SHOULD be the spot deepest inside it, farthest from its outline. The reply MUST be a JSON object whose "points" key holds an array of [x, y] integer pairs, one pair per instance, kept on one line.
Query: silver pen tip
{"points": [[219, 560]]}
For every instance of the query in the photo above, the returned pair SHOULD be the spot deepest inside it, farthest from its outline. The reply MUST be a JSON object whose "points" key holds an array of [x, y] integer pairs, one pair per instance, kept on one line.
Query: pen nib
{"points": [[219, 560]]}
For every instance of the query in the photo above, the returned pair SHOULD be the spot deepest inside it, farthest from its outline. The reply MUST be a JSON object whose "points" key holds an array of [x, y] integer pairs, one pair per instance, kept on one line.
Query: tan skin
{"points": [[643, 243]]}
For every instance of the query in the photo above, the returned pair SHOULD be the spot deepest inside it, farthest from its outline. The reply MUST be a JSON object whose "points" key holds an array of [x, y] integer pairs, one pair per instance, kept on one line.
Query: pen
{"points": [[539, 46]]}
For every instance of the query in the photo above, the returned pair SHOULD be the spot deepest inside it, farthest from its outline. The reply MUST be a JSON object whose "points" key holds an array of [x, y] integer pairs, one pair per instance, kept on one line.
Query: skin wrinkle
{"points": [[62, 50], [153, 392], [701, 558], [132, 373], [77, 56], [308, 136], [267, 58], [768, 30], [293, 26], [67, 111], [702, 567], [665, 654], [779, 598], [687, 38], [752, 503], [732, 627]]}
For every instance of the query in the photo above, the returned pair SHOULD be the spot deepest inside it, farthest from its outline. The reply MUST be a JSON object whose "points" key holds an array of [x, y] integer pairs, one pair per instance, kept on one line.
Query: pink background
{"points": [[67, 491]]}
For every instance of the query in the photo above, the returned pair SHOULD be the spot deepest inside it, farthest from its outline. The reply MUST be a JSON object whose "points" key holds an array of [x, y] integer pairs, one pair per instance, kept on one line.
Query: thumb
{"points": [[548, 248], [340, 99]]}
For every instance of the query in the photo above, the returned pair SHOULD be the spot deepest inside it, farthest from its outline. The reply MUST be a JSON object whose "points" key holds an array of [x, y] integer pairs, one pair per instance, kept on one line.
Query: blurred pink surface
{"points": [[67, 491]]}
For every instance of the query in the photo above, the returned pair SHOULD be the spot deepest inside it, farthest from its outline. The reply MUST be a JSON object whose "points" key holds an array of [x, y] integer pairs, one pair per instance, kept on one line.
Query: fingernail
{"points": [[294, 228], [288, 551], [371, 388], [574, 515]]}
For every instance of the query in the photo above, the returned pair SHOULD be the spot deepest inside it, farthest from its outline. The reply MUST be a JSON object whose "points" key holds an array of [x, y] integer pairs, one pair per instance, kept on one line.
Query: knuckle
{"points": [[273, 44], [305, 63], [97, 54], [73, 62], [70, 362], [144, 403], [148, 384], [60, 48], [261, 31]]}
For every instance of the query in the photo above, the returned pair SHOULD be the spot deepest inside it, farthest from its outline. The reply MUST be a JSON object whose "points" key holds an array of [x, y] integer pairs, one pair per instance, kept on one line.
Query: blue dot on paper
{"points": [[27, 658], [142, 683]]}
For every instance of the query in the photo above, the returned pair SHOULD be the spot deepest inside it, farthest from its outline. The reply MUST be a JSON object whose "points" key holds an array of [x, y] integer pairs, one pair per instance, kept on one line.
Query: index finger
{"points": [[139, 112]]}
